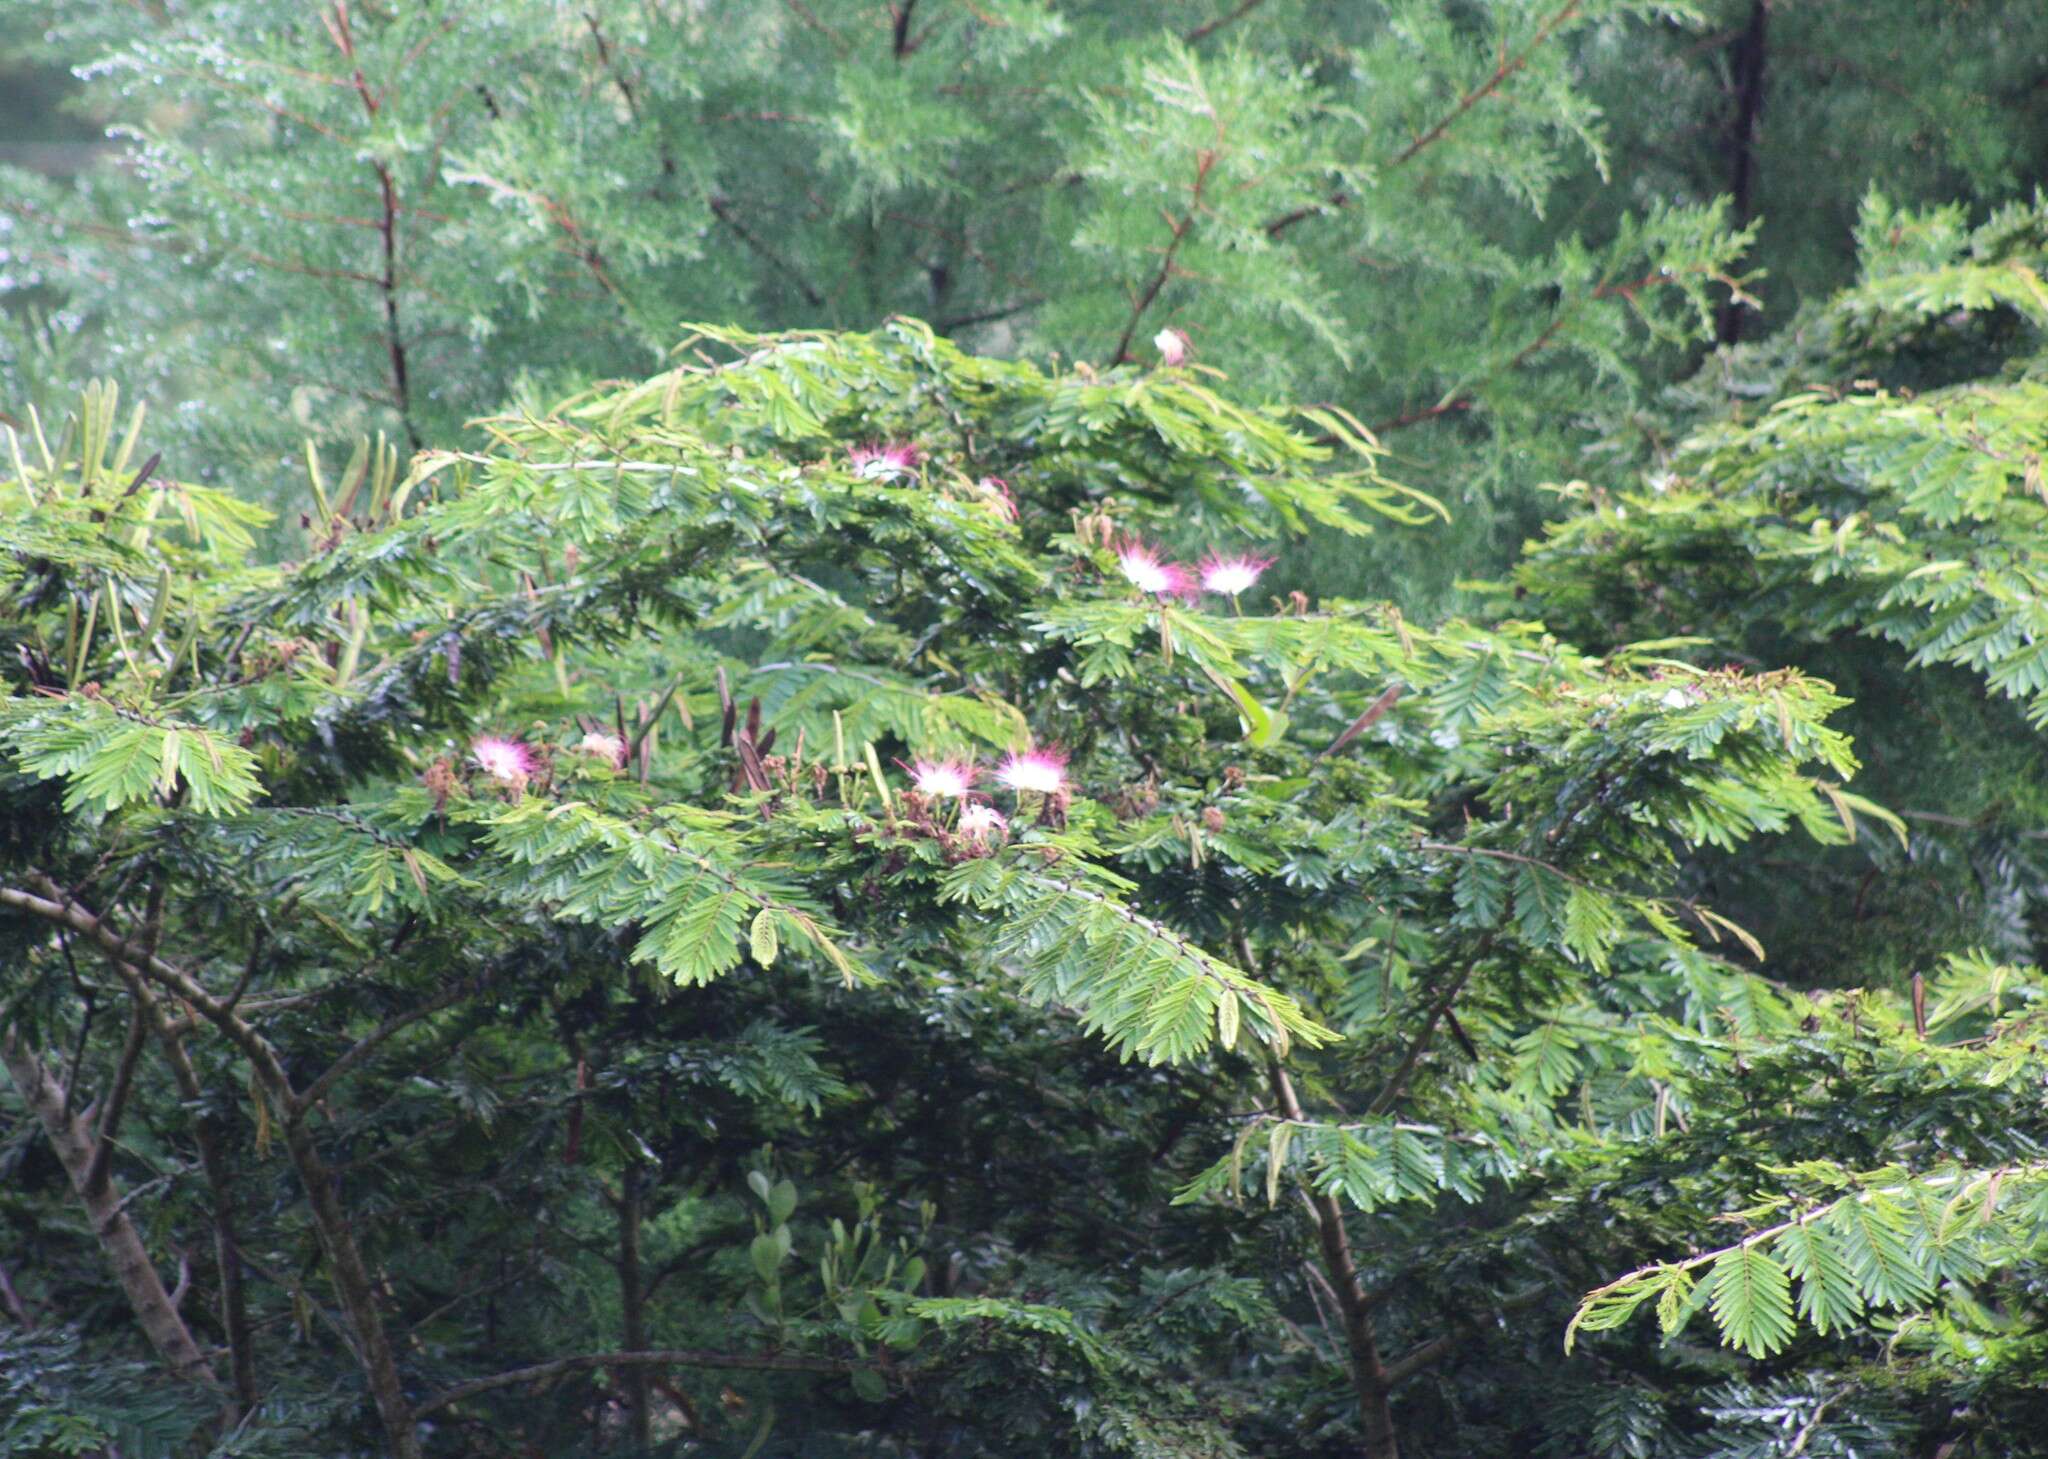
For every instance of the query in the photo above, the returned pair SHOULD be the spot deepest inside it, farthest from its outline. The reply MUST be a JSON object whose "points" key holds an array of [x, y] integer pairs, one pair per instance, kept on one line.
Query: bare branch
{"points": [[365, 1046], [660, 1358], [117, 1098], [56, 906]]}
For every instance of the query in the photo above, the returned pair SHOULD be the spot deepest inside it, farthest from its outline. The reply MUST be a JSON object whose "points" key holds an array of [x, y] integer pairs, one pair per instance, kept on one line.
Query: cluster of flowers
{"points": [[1150, 573], [890, 460], [513, 763], [1034, 772]]}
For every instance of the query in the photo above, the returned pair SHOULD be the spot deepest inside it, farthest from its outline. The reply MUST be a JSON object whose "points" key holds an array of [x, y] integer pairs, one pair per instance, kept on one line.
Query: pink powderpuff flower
{"points": [[884, 460], [948, 778], [1146, 571], [1172, 345], [982, 824], [506, 761], [1044, 771], [1232, 575], [600, 746]]}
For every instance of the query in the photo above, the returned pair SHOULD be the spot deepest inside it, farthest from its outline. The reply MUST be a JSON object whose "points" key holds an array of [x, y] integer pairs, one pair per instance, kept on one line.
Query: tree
{"points": [[535, 734], [552, 925], [1465, 224], [1874, 520]]}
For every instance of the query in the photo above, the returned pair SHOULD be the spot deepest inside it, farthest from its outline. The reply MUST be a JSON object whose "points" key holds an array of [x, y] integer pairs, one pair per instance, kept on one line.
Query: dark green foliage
{"points": [[478, 973]]}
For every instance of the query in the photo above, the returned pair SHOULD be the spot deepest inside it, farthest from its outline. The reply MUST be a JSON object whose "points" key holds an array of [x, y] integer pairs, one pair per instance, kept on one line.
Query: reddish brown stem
{"points": [[1508, 66], [1181, 227]]}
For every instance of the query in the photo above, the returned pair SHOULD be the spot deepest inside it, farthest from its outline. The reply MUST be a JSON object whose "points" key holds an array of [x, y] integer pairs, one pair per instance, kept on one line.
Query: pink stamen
{"points": [[1148, 573], [943, 777], [1232, 575], [1043, 771], [885, 459], [506, 761]]}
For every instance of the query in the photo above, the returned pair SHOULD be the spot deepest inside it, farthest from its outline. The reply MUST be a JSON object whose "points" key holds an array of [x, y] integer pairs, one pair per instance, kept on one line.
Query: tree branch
{"points": [[303, 1104], [1424, 1354], [119, 1241], [1749, 104], [56, 906], [1502, 72], [1209, 27], [1181, 226], [1398, 1080], [345, 1264], [1508, 67], [659, 1358], [117, 1098], [721, 209], [1368, 1372]]}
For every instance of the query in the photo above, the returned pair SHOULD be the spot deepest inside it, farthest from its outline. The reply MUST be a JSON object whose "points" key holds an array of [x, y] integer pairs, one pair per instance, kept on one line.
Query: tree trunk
{"points": [[1370, 1382], [356, 1291], [117, 1236], [633, 1306], [1746, 63], [227, 1251]]}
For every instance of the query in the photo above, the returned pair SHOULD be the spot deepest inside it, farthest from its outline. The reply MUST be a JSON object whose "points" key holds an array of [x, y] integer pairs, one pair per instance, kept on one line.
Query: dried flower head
{"points": [[1094, 529], [439, 779], [506, 761], [1043, 771], [1232, 575], [996, 492], [601, 746], [983, 824]]}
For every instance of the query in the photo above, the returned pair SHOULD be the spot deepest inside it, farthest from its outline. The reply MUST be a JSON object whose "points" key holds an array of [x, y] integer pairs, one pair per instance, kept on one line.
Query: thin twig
{"points": [[1181, 227], [659, 1358], [368, 1044], [1209, 27]]}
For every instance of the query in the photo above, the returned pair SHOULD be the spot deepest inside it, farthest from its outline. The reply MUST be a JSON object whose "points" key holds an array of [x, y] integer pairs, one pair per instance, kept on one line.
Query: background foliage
{"points": [[477, 974]]}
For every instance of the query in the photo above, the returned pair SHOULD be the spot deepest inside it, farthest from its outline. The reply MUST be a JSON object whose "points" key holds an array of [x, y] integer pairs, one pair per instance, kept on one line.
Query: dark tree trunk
{"points": [[1747, 73]]}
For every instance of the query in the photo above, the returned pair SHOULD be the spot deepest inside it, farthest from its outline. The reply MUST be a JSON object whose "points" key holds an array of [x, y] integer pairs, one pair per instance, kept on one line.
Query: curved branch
{"points": [[365, 1046], [56, 906]]}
